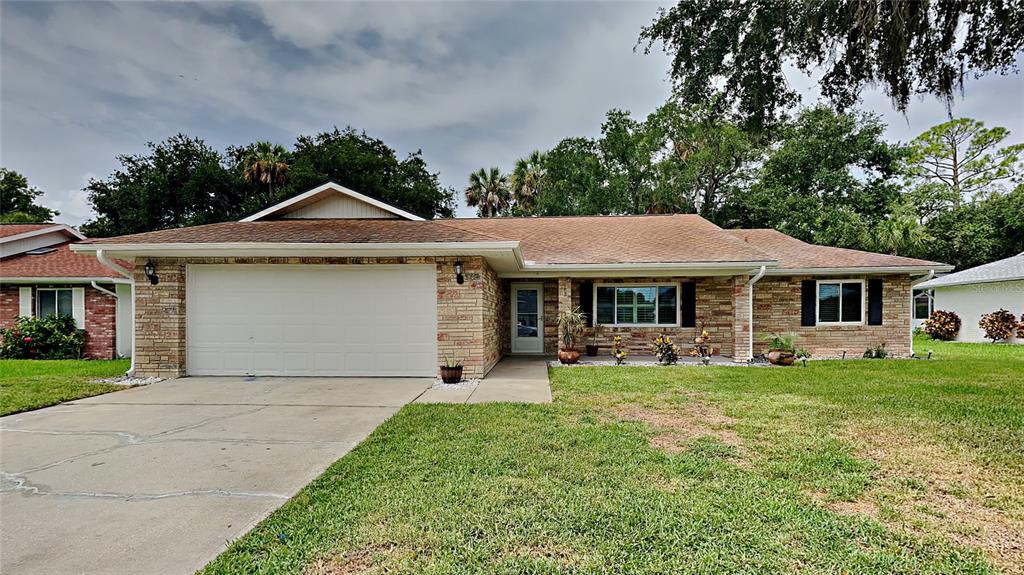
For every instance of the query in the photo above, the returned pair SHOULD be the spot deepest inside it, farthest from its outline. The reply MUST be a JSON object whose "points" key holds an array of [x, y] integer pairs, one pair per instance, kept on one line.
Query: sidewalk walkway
{"points": [[515, 379]]}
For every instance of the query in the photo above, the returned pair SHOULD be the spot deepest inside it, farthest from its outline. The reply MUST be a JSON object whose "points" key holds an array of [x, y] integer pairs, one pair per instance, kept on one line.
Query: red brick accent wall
{"points": [[777, 308], [469, 316], [100, 316], [100, 323]]}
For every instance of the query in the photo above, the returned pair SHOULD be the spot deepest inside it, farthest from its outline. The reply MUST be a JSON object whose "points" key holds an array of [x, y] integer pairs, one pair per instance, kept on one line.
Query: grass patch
{"points": [[27, 384], [827, 469]]}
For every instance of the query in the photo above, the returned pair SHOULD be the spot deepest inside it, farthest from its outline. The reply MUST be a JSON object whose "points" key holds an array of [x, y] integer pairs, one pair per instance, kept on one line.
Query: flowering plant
{"points": [[618, 351], [702, 344], [666, 351], [998, 325], [942, 325], [51, 337]]}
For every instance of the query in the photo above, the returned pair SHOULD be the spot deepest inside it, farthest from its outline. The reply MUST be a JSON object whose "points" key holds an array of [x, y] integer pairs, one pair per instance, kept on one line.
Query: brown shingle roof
{"points": [[60, 263], [7, 230], [792, 253], [680, 238], [683, 238]]}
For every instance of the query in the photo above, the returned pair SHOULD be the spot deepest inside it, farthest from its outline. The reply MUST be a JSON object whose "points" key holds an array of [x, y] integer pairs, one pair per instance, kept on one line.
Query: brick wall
{"points": [[777, 308], [469, 316], [100, 316]]}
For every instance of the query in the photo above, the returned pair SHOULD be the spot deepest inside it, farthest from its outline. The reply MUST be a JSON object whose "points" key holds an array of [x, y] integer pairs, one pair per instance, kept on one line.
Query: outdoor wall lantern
{"points": [[458, 272], [150, 270]]}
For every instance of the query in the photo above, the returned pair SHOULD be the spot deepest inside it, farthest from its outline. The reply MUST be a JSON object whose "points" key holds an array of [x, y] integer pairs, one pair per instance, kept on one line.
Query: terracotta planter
{"points": [[568, 356], [780, 357], [592, 350], [451, 374]]}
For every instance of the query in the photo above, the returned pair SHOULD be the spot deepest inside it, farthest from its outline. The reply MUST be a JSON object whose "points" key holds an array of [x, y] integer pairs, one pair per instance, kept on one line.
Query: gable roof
{"points": [[14, 232], [794, 255], [320, 192], [1009, 269], [61, 262]]}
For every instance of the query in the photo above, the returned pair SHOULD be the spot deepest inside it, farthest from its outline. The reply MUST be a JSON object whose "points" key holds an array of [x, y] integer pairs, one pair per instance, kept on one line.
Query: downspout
{"points": [[97, 287], [931, 274], [102, 257], [750, 311]]}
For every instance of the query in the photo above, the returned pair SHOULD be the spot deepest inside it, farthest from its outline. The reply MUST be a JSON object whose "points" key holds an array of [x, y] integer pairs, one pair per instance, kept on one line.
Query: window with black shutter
{"points": [[808, 302], [688, 304], [875, 302]]}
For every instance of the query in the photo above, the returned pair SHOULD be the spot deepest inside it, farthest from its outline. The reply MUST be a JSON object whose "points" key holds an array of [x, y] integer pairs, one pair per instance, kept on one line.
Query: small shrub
{"points": [[780, 341], [1020, 326], [52, 337], [618, 350], [942, 325], [666, 351], [877, 352], [998, 325]]}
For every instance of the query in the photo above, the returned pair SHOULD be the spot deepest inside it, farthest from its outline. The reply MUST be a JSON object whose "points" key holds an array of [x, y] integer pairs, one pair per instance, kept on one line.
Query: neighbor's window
{"points": [[54, 301], [638, 304], [841, 302], [922, 304]]}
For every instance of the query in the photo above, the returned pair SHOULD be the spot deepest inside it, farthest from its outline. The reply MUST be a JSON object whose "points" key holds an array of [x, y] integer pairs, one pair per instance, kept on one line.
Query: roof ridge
{"points": [[474, 232]]}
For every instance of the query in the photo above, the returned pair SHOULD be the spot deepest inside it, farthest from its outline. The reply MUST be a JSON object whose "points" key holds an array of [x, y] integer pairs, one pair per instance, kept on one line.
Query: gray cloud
{"points": [[471, 84]]}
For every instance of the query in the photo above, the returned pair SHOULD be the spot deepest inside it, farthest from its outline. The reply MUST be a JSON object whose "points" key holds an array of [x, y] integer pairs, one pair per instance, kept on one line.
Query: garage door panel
{"points": [[311, 320]]}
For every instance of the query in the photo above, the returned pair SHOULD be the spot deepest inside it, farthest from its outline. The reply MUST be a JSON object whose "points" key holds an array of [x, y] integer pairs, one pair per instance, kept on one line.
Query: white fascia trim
{"points": [[647, 266], [68, 280], [938, 283], [103, 259], [42, 231], [243, 249], [338, 188], [851, 271]]}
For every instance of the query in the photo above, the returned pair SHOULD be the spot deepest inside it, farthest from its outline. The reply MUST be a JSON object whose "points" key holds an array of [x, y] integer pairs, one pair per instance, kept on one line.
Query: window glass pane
{"points": [[64, 305], [624, 314], [624, 296], [526, 325], [526, 301], [606, 305], [645, 313], [921, 306], [667, 304], [852, 301], [828, 302], [47, 302]]}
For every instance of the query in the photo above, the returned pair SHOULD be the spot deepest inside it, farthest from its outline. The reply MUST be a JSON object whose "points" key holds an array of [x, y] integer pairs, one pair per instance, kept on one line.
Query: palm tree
{"points": [[528, 180], [266, 163], [900, 234], [488, 191]]}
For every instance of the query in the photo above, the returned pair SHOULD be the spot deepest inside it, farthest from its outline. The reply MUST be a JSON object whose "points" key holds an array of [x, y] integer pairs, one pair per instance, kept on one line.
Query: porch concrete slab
{"points": [[515, 379], [159, 479]]}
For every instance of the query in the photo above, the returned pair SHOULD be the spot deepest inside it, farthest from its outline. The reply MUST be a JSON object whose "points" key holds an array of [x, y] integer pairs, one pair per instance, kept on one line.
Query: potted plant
{"points": [[570, 326], [592, 347], [781, 350], [451, 370]]}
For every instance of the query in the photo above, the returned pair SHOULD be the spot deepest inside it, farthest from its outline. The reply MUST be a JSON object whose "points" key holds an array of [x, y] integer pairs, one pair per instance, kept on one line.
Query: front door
{"points": [[527, 318]]}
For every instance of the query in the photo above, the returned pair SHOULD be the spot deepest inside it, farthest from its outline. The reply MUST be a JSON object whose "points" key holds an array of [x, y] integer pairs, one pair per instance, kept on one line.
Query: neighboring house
{"points": [[332, 282], [980, 290], [40, 276]]}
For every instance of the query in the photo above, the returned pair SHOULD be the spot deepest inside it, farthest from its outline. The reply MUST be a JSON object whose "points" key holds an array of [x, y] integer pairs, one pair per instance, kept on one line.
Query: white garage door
{"points": [[358, 320]]}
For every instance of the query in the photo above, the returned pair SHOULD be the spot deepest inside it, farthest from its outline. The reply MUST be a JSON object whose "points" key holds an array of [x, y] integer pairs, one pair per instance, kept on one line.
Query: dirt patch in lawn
{"points": [[352, 563], [679, 425], [933, 490]]}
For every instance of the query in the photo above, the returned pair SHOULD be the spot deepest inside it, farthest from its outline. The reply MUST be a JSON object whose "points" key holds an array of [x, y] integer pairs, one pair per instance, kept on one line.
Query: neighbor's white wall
{"points": [[40, 241], [339, 206], [124, 320], [970, 302]]}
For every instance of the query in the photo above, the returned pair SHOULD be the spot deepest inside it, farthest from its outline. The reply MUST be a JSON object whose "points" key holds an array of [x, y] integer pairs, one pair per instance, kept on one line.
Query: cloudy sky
{"points": [[471, 84]]}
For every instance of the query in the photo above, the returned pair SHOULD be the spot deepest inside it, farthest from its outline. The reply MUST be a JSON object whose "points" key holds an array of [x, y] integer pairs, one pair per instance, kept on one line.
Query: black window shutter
{"points": [[808, 302], [688, 304], [587, 302], [875, 302]]}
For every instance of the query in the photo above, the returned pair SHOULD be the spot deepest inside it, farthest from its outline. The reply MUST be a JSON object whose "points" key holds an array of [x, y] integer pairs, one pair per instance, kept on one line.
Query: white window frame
{"points": [[679, 290], [39, 300], [817, 302], [931, 303]]}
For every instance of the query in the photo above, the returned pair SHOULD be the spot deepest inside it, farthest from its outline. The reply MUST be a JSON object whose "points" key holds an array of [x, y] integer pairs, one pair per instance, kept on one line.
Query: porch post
{"points": [[741, 319], [564, 294]]}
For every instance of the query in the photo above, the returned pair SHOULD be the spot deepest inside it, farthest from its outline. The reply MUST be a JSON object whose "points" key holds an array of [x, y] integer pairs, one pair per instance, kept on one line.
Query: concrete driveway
{"points": [[158, 479]]}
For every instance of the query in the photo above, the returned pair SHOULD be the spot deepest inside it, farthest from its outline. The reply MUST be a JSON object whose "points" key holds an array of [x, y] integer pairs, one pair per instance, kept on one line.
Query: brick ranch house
{"points": [[332, 282], [40, 275]]}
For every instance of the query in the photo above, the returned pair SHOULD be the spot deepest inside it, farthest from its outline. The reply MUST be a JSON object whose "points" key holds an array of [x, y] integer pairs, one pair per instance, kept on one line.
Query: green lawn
{"points": [[862, 466], [30, 384]]}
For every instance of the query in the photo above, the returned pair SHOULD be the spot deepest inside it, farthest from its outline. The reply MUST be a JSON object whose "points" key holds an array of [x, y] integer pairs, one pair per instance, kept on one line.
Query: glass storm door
{"points": [[527, 318]]}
